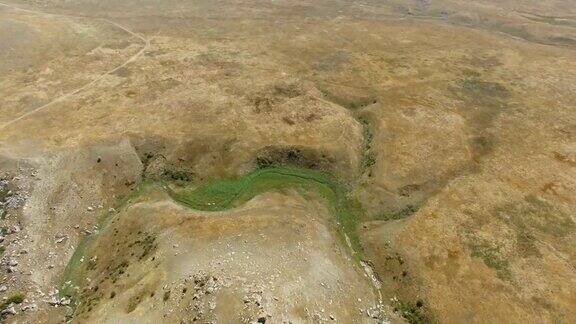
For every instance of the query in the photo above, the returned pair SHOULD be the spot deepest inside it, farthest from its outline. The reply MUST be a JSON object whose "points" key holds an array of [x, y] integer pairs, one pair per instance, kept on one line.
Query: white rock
{"points": [[29, 307], [55, 301], [9, 311]]}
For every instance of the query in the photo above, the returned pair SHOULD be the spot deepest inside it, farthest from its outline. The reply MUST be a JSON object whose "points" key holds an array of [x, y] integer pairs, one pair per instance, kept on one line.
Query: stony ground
{"points": [[452, 123]]}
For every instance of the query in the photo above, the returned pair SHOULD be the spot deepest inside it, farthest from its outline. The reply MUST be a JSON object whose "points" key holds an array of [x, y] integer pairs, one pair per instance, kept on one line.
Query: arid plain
{"points": [[288, 161]]}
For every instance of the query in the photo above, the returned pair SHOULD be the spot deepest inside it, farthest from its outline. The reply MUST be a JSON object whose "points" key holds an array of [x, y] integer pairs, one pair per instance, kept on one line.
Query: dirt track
{"points": [[145, 41]]}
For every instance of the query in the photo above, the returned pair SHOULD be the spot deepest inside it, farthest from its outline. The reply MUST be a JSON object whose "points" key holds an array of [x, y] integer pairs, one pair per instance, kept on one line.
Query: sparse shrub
{"points": [[403, 213], [180, 177], [16, 298], [412, 312], [492, 258], [368, 157]]}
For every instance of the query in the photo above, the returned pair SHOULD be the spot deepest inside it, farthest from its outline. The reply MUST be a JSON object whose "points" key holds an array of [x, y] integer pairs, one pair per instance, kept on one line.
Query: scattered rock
{"points": [[29, 307], [13, 229], [61, 238], [56, 301], [14, 201], [373, 312], [9, 311]]}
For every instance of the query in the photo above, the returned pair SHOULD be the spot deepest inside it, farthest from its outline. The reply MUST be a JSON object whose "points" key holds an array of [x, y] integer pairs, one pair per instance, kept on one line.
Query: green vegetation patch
{"points": [[368, 156], [226, 194], [3, 195], [493, 258], [16, 298], [412, 312], [401, 214]]}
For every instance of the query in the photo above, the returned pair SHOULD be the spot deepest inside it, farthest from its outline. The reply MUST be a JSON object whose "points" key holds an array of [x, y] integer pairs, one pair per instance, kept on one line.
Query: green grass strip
{"points": [[225, 194]]}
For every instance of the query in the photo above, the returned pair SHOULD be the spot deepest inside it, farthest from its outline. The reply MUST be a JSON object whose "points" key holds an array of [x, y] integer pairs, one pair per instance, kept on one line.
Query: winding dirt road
{"points": [[146, 45]]}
